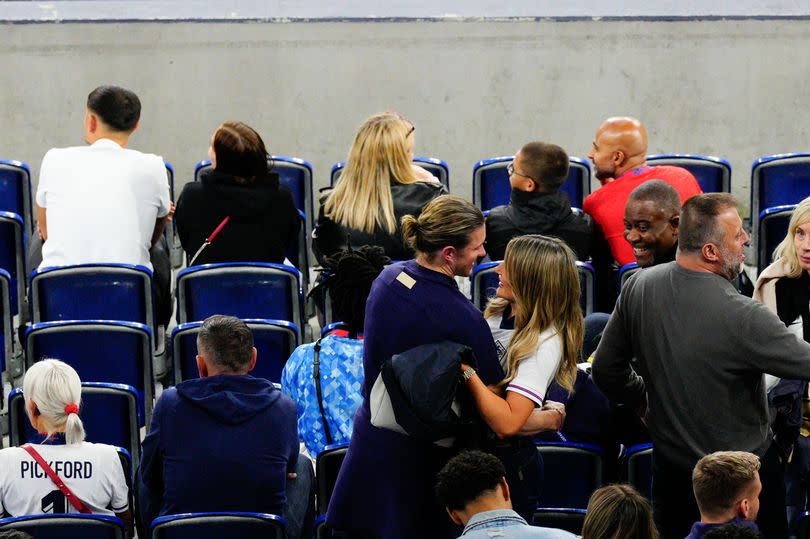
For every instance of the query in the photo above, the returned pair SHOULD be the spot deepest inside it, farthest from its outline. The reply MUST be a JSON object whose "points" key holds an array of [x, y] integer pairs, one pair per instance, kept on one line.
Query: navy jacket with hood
{"points": [[222, 443]]}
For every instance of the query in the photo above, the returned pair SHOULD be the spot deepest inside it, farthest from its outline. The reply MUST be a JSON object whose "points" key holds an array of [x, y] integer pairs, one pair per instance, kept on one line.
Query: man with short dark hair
{"points": [[472, 487], [651, 219], [105, 203], [726, 486], [619, 157], [701, 349], [224, 441], [536, 204]]}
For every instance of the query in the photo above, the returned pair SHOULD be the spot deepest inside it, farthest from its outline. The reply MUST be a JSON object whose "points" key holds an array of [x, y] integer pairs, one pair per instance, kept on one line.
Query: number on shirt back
{"points": [[54, 502]]}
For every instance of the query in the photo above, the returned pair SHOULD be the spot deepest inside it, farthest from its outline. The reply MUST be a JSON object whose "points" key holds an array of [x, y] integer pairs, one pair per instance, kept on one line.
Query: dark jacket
{"points": [[222, 443], [409, 199], [264, 222], [537, 213]]}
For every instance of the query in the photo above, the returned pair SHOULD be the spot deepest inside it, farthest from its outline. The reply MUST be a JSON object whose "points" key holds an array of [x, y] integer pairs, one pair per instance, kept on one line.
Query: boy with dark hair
{"points": [[472, 486], [536, 204]]}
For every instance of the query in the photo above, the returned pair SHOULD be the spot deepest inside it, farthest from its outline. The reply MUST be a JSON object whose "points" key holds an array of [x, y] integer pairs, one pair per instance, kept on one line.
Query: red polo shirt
{"points": [[606, 204]]}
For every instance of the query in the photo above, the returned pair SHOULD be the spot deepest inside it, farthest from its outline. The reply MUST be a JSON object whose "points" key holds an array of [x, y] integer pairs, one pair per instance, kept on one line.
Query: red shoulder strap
{"points": [[72, 498]]}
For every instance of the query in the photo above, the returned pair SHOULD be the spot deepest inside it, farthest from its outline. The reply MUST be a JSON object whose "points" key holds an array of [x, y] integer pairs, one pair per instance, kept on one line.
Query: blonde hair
{"points": [[721, 478], [618, 512], [447, 220], [379, 156], [787, 249], [543, 275], [53, 385]]}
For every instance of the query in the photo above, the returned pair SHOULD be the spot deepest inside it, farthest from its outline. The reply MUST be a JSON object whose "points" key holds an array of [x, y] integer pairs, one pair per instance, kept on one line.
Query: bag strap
{"points": [[316, 373], [72, 498]]}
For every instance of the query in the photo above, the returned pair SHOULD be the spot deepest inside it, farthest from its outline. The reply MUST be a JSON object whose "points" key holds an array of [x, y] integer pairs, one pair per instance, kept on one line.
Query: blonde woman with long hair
{"points": [[379, 185], [538, 328]]}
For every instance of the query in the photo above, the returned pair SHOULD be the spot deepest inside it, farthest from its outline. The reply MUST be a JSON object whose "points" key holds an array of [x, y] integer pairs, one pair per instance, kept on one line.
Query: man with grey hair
{"points": [[701, 349], [225, 441]]}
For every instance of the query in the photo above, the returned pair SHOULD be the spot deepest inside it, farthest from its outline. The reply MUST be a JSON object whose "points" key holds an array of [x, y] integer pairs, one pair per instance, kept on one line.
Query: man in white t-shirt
{"points": [[104, 203]]}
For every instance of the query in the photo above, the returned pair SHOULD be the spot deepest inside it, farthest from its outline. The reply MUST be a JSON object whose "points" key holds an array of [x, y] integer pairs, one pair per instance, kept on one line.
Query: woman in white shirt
{"points": [[93, 472], [538, 328]]}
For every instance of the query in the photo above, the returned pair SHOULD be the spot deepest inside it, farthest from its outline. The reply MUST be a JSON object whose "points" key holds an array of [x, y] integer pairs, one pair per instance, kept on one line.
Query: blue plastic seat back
{"points": [[92, 292], [779, 180], [12, 256], [491, 186], [111, 352], [264, 291], [6, 328], [437, 167], [627, 271], [70, 526], [772, 229], [571, 473], [274, 341], [109, 413], [570, 520], [713, 174], [15, 191], [327, 468], [638, 468], [218, 525]]}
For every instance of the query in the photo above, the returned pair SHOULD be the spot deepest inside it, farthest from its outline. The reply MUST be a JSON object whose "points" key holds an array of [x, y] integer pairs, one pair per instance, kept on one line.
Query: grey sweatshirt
{"points": [[702, 349]]}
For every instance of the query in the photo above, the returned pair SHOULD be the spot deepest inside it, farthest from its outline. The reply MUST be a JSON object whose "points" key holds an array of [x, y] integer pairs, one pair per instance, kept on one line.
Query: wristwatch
{"points": [[467, 374]]}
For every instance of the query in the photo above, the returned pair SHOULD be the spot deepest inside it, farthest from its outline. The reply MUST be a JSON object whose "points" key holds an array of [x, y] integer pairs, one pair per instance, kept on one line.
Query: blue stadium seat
{"points": [[109, 413], [778, 180], [245, 290], [712, 173], [626, 271], [66, 526], [12, 256], [7, 338], [274, 340], [491, 182], [92, 292], [771, 230], [327, 468], [484, 282], [16, 192], [435, 166], [637, 468], [114, 352], [334, 326], [570, 520], [803, 526], [219, 525], [572, 472], [175, 249]]}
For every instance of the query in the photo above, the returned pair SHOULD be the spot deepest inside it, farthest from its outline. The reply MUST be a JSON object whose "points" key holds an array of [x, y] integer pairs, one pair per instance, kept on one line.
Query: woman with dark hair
{"points": [[264, 222]]}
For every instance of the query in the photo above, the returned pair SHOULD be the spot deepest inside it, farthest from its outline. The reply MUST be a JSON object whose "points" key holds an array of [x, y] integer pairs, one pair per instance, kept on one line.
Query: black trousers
{"points": [[676, 509]]}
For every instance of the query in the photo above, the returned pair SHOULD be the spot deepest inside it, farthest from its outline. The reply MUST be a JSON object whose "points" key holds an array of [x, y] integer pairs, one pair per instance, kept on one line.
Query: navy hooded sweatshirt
{"points": [[222, 443]]}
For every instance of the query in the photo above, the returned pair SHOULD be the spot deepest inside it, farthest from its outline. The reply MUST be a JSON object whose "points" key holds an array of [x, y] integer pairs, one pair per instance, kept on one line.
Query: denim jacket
{"points": [[508, 524]]}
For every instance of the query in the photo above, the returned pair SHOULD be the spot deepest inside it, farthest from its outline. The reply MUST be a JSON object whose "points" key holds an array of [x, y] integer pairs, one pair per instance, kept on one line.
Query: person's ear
{"points": [[32, 409], [619, 158], [137, 125], [675, 222], [744, 509], [202, 368], [92, 122], [252, 363], [448, 253], [531, 185], [710, 252], [454, 516], [504, 489]]}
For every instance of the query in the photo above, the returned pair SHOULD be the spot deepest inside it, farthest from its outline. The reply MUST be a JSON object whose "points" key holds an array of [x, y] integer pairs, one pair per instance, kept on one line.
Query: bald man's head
{"points": [[620, 145]]}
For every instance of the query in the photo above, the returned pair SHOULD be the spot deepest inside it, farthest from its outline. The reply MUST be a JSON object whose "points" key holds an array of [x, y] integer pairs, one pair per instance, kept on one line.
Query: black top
{"points": [[264, 222], [537, 213], [409, 199]]}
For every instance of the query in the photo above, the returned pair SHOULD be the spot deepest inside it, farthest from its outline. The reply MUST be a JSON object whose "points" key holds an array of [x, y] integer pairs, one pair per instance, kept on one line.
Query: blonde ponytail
{"points": [[56, 390]]}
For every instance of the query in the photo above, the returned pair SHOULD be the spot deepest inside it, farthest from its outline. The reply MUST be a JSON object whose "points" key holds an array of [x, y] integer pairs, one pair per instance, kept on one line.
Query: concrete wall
{"points": [[736, 89]]}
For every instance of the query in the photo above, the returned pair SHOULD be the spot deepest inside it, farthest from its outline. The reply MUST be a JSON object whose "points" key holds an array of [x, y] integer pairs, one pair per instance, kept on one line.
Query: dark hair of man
{"points": [[720, 479], [733, 531], [661, 193], [118, 108], [226, 341], [240, 151], [545, 163], [699, 220], [467, 476], [447, 220], [352, 273]]}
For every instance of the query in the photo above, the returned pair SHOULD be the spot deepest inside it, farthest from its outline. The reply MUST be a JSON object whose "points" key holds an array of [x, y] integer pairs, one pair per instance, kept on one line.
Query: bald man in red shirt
{"points": [[619, 157]]}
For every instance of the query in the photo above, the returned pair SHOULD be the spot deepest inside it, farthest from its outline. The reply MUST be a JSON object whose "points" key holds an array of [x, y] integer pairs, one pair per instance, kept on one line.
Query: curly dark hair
{"points": [[466, 476]]}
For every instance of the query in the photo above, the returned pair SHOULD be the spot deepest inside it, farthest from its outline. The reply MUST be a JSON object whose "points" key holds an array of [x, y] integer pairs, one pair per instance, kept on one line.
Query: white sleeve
{"points": [[119, 499], [163, 195], [536, 372], [45, 172]]}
